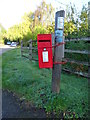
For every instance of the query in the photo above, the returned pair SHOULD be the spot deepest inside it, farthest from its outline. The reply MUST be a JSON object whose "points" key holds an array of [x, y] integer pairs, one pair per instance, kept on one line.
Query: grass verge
{"points": [[33, 84]]}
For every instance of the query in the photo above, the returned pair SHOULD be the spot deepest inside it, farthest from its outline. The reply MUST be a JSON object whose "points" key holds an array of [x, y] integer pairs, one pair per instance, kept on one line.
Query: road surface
{"points": [[4, 48], [12, 108]]}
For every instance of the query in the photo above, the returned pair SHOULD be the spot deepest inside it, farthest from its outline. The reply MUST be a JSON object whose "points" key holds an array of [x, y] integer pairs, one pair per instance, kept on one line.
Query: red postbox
{"points": [[44, 42]]}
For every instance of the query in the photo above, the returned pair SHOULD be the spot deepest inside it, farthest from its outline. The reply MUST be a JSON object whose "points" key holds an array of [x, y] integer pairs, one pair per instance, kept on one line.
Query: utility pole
{"points": [[58, 51]]}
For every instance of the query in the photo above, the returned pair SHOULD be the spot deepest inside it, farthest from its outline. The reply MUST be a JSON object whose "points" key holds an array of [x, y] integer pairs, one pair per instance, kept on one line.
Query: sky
{"points": [[11, 11]]}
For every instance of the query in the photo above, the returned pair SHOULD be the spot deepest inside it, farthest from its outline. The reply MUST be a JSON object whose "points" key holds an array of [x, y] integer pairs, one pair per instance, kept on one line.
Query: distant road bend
{"points": [[4, 48]]}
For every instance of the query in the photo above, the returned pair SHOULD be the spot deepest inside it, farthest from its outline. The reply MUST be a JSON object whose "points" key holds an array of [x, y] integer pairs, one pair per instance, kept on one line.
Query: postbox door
{"points": [[45, 58]]}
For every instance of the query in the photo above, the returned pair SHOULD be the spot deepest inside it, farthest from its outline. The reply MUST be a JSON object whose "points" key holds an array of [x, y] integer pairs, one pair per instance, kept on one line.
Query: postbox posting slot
{"points": [[44, 44], [44, 40]]}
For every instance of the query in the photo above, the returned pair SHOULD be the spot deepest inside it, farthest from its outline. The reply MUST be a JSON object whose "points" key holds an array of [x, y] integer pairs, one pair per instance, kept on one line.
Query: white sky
{"points": [[11, 11]]}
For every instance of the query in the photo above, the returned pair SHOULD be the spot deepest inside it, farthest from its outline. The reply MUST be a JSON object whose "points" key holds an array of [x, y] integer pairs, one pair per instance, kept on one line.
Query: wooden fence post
{"points": [[88, 60], [88, 46], [30, 49], [21, 48]]}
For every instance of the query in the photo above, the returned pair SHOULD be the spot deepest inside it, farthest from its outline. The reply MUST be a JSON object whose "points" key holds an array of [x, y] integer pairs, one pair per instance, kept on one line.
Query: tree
{"points": [[83, 22], [69, 29], [2, 31], [76, 22], [71, 21], [50, 28], [13, 33], [44, 14], [19, 32]]}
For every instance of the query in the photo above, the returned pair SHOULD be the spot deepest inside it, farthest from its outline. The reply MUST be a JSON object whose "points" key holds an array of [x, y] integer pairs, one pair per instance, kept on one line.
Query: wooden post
{"points": [[21, 48], [88, 47], [88, 60], [58, 54], [30, 49]]}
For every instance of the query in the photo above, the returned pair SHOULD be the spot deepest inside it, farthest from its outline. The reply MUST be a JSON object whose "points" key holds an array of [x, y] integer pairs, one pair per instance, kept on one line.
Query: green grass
{"points": [[33, 84]]}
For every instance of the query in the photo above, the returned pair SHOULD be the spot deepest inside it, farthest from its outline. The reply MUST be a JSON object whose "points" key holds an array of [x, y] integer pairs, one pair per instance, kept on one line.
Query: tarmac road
{"points": [[4, 48], [12, 108]]}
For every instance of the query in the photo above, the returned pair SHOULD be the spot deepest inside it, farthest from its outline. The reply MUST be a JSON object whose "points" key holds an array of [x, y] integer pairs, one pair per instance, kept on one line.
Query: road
{"points": [[12, 107], [4, 48]]}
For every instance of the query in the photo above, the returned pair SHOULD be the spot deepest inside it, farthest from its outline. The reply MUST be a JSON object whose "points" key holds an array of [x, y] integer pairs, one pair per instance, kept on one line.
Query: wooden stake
{"points": [[21, 48], [88, 47], [30, 50], [88, 60]]}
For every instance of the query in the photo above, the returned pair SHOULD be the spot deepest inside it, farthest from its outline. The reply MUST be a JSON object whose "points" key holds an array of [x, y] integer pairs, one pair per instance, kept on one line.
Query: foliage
{"points": [[76, 24], [18, 32], [77, 45], [50, 28], [44, 14], [69, 28], [13, 33], [34, 85], [2, 31], [38, 30], [84, 23]]}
